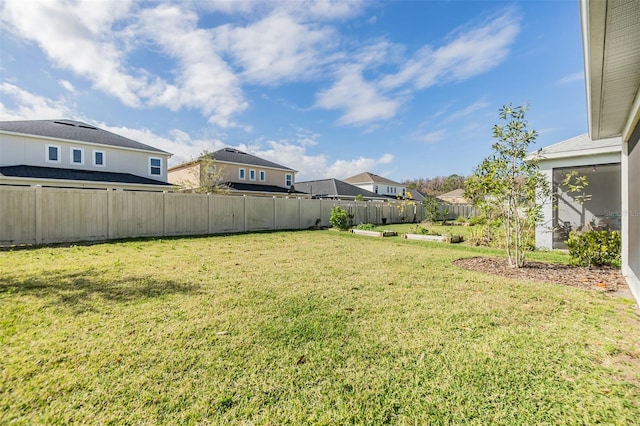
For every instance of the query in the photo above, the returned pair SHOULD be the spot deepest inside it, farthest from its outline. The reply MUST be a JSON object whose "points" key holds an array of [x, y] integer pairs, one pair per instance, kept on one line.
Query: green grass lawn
{"points": [[213, 330]]}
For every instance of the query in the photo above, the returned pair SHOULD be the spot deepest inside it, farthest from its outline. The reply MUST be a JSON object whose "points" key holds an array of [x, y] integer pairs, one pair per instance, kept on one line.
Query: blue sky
{"points": [[331, 88]]}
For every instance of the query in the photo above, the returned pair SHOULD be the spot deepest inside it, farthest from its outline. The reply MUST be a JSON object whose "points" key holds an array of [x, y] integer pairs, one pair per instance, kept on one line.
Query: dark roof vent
{"points": [[86, 126], [66, 123]]}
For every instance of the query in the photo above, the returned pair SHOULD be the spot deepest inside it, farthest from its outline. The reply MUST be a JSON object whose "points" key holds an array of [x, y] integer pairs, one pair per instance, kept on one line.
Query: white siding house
{"points": [[378, 185], [66, 153]]}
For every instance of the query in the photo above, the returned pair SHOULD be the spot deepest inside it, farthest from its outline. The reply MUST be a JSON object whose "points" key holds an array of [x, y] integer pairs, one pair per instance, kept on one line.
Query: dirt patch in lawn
{"points": [[605, 279]]}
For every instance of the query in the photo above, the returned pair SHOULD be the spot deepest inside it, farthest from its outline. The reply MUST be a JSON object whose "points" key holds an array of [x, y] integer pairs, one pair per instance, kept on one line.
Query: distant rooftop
{"points": [[334, 188], [74, 131], [367, 177], [232, 155]]}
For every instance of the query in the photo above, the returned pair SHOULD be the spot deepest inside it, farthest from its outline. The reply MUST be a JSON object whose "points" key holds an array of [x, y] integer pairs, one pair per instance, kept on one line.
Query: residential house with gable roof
{"points": [[242, 173], [378, 185], [336, 190], [67, 153]]}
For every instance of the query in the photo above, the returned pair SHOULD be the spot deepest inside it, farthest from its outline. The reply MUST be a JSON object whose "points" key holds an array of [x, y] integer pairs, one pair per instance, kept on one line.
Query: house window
{"points": [[77, 156], [155, 166], [375, 189], [252, 175], [288, 180], [263, 176], [241, 174], [53, 154], [99, 158]]}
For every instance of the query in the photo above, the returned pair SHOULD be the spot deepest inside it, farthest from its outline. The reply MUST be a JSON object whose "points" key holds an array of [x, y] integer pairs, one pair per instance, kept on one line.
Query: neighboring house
{"points": [[336, 190], [242, 173], [66, 153], [611, 36], [378, 185], [599, 162], [453, 197], [414, 194]]}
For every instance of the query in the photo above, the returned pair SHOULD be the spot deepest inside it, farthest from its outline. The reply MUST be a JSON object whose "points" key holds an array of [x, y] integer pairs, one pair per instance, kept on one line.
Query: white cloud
{"points": [[76, 36], [312, 167], [67, 85], [309, 9], [205, 81], [432, 137], [342, 169], [277, 48], [360, 99], [469, 53], [578, 76], [30, 106], [465, 112], [92, 39]]}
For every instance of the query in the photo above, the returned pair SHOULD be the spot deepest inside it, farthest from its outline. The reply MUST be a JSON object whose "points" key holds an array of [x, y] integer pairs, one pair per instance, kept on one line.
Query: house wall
{"points": [[382, 188], [631, 212], [26, 150], [185, 176], [230, 173]]}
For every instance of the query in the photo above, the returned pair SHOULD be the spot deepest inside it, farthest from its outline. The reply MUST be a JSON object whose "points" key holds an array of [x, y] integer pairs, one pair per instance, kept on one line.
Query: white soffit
{"points": [[611, 37]]}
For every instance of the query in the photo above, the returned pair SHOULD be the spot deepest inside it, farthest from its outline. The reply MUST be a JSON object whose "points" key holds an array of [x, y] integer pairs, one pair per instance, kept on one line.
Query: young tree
{"points": [[507, 187], [207, 177]]}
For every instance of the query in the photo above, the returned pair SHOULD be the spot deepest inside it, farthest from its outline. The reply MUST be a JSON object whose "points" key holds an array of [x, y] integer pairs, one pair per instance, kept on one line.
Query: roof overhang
{"points": [[610, 37], [83, 184]]}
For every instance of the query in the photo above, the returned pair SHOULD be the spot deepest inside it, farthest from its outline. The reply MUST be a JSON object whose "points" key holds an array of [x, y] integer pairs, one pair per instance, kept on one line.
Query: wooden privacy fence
{"points": [[457, 210], [41, 215]]}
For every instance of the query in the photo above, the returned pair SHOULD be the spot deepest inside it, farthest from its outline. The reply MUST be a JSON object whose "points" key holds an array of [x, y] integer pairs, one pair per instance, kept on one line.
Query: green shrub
{"points": [[424, 231], [597, 248], [339, 218], [461, 219], [478, 220], [366, 227]]}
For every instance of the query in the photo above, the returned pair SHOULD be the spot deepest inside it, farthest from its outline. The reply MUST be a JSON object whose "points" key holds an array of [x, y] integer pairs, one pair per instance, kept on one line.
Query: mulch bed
{"points": [[600, 278]]}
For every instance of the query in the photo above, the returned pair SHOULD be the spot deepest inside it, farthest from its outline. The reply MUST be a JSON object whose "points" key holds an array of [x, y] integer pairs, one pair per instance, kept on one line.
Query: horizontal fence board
{"points": [[34, 215]]}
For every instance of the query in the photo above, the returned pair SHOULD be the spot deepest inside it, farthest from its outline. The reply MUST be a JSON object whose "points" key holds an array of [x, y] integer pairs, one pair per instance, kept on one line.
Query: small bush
{"points": [[424, 231], [478, 220], [595, 248], [339, 218], [366, 227], [461, 219], [482, 236]]}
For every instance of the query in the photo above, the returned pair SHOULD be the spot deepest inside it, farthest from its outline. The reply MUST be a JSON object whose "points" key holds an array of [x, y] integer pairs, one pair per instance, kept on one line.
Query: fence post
{"points": [[110, 207], [244, 214], [209, 202], [164, 213], [274, 213], [38, 209]]}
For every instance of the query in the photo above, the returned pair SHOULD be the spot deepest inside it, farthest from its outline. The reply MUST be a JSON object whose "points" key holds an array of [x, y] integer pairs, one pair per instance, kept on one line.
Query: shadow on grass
{"points": [[85, 289]]}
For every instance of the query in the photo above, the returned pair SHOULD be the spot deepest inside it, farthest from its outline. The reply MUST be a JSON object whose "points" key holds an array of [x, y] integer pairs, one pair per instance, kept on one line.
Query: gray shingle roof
{"points": [[573, 146], [232, 155], [367, 177], [37, 172], [254, 187], [73, 130], [334, 188]]}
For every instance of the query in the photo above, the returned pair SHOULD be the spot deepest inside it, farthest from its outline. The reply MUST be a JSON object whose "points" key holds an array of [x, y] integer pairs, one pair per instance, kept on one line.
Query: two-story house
{"points": [[240, 172], [378, 185], [66, 153]]}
